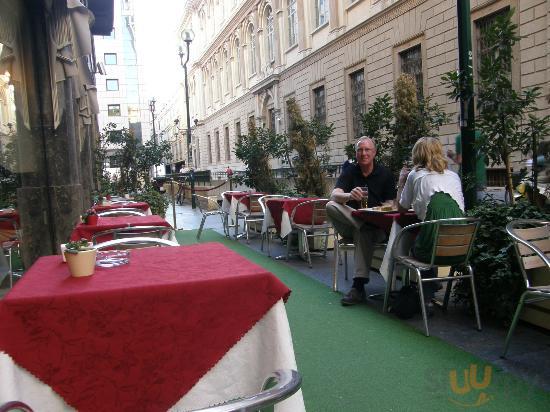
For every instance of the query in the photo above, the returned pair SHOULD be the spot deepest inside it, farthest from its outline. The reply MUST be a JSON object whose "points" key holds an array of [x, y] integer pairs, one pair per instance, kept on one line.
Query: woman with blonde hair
{"points": [[434, 192]]}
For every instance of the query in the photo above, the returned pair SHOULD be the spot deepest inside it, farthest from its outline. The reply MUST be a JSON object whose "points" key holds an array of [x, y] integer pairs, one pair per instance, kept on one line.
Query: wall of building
{"points": [[363, 34]]}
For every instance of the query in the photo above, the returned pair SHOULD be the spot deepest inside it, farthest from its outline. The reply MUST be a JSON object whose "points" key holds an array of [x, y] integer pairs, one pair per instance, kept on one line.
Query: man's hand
{"points": [[356, 194]]}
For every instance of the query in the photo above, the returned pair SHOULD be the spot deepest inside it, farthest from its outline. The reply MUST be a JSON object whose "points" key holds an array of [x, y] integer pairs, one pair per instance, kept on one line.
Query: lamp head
{"points": [[187, 36]]}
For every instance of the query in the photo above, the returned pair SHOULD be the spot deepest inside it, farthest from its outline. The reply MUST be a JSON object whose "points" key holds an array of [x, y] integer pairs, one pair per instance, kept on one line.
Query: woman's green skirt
{"points": [[441, 206]]}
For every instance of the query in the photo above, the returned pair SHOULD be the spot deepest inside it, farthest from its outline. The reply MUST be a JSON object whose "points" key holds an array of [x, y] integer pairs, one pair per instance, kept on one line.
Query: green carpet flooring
{"points": [[357, 359]]}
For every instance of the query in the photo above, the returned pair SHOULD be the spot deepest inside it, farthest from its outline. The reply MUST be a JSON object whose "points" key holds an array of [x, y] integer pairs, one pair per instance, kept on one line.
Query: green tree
{"points": [[506, 117], [397, 129], [134, 159], [308, 143], [255, 150], [10, 180]]}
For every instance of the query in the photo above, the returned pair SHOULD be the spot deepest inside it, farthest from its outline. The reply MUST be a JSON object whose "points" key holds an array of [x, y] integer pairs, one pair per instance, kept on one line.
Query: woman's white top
{"points": [[422, 184]]}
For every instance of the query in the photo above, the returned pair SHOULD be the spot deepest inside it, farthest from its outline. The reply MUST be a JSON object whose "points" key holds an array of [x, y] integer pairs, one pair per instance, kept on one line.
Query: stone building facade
{"points": [[334, 57]]}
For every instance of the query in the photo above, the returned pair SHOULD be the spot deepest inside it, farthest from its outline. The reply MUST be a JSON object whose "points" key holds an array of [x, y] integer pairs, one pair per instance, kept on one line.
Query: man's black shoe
{"points": [[353, 297]]}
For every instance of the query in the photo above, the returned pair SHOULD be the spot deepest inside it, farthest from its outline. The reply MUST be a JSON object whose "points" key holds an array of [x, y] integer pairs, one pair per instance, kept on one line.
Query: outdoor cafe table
{"points": [[168, 330], [85, 231], [117, 205], [391, 223], [279, 210]]}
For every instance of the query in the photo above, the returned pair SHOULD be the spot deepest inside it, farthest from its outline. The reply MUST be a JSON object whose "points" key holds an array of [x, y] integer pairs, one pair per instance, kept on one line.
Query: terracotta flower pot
{"points": [[81, 263], [91, 220]]}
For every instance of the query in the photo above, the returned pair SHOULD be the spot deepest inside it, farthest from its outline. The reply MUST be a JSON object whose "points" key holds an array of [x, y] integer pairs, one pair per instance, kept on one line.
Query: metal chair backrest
{"points": [[133, 231], [15, 406], [207, 203], [454, 238], [250, 202], [532, 244], [12, 232], [134, 242], [287, 383], [318, 209], [122, 212]]}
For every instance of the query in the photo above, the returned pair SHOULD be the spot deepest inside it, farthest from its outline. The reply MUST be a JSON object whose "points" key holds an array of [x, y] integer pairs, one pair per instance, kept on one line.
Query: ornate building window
{"points": [[358, 104], [227, 72], [252, 49], [321, 12], [270, 35], [319, 105], [411, 63], [292, 23]]}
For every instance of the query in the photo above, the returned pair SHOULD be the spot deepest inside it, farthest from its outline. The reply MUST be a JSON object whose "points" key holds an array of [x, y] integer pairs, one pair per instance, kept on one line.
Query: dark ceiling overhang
{"points": [[103, 11]]}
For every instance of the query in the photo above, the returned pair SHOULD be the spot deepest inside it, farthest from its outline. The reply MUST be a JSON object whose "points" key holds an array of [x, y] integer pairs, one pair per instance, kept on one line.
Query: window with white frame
{"points": [[251, 50], [209, 148], [411, 63], [110, 58], [319, 107], [292, 23], [358, 103], [226, 144], [112, 85], [217, 143], [270, 35], [113, 110], [321, 12]]}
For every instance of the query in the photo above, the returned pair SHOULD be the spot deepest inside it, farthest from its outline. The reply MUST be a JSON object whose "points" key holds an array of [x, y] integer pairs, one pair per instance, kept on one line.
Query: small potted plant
{"points": [[89, 217], [80, 257]]}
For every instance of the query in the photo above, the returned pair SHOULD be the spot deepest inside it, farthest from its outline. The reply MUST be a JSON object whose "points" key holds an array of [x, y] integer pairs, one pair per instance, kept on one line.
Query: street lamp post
{"points": [[152, 109], [187, 36]]}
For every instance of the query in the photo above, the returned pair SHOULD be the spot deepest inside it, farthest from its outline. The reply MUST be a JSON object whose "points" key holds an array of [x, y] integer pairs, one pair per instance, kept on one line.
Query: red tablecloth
{"points": [[136, 205], [277, 206], [385, 220], [135, 337], [106, 223]]}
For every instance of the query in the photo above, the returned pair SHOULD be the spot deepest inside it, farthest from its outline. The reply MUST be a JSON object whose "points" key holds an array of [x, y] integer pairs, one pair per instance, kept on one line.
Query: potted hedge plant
{"points": [[89, 217], [80, 257]]}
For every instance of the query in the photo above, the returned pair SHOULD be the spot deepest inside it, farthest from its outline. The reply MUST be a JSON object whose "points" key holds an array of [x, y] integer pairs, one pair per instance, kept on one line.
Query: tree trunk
{"points": [[509, 184]]}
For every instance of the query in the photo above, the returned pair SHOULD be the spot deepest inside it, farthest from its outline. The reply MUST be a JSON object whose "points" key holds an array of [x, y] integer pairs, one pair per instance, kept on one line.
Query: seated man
{"points": [[381, 184]]}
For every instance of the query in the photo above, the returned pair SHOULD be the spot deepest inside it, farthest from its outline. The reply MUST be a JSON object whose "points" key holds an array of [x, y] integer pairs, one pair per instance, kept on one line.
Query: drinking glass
{"points": [[365, 199]]}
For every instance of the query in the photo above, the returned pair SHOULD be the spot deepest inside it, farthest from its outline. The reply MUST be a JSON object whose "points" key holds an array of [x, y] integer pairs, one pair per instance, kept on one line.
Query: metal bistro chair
{"points": [[454, 240], [253, 213], [159, 232], [287, 383], [226, 225], [342, 244], [209, 206], [269, 230], [318, 226], [134, 243], [10, 245], [15, 406], [532, 245], [122, 211]]}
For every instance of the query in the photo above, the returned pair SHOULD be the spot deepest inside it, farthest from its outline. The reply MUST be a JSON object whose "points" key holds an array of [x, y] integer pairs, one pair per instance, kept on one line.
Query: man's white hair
{"points": [[362, 139]]}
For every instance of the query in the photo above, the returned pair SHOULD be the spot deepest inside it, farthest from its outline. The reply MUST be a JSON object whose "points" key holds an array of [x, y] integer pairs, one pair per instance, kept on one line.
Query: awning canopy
{"points": [[103, 11]]}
